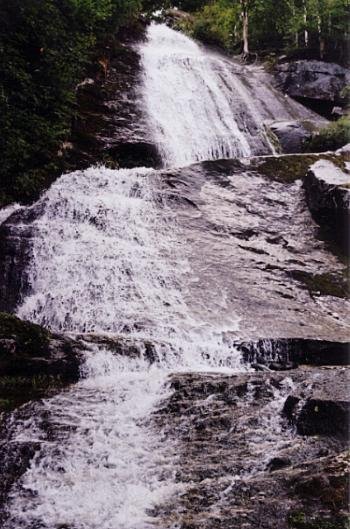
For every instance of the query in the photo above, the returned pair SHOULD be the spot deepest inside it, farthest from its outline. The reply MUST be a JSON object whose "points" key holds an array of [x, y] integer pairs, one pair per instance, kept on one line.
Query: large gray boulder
{"points": [[291, 136], [315, 80], [321, 406], [327, 189]]}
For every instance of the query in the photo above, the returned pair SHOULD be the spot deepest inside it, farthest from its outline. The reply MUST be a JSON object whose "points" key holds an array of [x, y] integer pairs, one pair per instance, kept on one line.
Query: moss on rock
{"points": [[299, 520], [30, 338], [286, 169], [16, 390], [291, 167], [326, 284]]}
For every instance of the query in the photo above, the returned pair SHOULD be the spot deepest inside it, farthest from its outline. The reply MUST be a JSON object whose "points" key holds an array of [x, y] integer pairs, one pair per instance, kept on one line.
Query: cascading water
{"points": [[191, 113], [106, 258]]}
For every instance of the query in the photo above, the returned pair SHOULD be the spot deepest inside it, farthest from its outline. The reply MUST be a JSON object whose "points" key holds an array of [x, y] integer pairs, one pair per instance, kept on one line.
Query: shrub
{"points": [[331, 138], [44, 48]]}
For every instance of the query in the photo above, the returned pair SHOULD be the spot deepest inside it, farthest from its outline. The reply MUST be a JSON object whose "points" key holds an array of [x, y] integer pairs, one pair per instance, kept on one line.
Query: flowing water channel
{"points": [[108, 258]]}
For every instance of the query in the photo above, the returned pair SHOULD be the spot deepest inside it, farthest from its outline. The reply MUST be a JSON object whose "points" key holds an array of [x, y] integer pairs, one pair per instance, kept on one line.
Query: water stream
{"points": [[107, 257]]}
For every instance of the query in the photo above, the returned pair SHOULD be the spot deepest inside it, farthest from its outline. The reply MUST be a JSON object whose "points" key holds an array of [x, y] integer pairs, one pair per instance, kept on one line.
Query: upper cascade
{"points": [[198, 107], [192, 112], [201, 105]]}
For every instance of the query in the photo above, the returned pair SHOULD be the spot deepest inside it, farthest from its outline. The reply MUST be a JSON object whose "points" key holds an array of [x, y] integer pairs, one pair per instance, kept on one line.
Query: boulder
{"points": [[327, 189], [292, 135], [313, 80], [321, 406], [28, 350]]}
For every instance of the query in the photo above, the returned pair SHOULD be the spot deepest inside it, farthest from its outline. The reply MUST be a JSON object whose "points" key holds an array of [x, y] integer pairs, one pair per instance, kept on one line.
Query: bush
{"points": [[331, 138], [44, 48], [215, 24]]}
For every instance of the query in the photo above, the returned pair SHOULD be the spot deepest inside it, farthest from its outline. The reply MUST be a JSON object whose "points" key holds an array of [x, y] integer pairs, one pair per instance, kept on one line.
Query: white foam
{"points": [[189, 107]]}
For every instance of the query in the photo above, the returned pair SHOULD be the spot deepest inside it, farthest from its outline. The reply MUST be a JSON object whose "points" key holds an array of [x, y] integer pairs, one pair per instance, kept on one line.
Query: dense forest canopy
{"points": [[46, 45], [319, 25]]}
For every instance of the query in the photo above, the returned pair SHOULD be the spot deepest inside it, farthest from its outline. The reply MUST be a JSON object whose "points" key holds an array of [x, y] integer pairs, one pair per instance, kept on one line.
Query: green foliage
{"points": [[216, 23], [30, 338], [321, 26], [332, 137], [44, 48], [189, 5]]}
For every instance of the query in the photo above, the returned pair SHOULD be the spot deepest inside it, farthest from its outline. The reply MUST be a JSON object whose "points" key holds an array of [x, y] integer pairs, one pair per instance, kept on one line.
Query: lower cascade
{"points": [[146, 437]]}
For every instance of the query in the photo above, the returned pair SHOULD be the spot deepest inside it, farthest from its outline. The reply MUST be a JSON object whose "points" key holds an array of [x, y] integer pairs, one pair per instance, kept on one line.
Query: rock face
{"points": [[321, 405], [28, 350], [266, 239], [15, 251], [328, 196], [287, 353], [313, 81], [242, 465], [110, 126], [292, 135]]}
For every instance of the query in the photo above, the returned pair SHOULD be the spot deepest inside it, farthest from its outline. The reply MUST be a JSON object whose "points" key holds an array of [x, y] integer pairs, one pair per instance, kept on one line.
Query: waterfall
{"points": [[107, 258], [198, 108]]}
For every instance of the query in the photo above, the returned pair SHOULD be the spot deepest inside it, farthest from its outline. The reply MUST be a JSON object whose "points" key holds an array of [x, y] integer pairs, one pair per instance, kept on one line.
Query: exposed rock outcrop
{"points": [[33, 361], [313, 81], [110, 126], [321, 405], [289, 353], [328, 197], [292, 135], [243, 466]]}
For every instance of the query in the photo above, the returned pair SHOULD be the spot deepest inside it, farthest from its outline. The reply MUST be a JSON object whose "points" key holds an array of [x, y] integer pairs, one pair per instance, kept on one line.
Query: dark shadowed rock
{"points": [[28, 350], [15, 254], [292, 135], [110, 126], [321, 405], [278, 462], [285, 353], [313, 80]]}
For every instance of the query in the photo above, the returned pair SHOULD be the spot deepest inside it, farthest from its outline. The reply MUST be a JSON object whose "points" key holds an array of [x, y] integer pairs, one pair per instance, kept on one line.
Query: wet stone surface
{"points": [[239, 462]]}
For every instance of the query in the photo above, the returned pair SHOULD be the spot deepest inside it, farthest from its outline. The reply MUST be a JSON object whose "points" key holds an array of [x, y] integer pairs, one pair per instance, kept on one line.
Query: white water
{"points": [[191, 110], [107, 258]]}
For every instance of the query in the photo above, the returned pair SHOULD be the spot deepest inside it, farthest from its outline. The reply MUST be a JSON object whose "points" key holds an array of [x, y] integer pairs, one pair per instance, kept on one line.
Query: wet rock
{"points": [[322, 407], [122, 346], [292, 135], [28, 350], [15, 254], [287, 353], [175, 17], [313, 81], [328, 196], [323, 483], [13, 463], [110, 126], [324, 284], [237, 465], [136, 154], [278, 462]]}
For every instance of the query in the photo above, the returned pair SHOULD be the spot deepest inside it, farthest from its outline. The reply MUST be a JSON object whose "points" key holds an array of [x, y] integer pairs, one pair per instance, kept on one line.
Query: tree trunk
{"points": [[306, 33], [320, 28], [245, 26]]}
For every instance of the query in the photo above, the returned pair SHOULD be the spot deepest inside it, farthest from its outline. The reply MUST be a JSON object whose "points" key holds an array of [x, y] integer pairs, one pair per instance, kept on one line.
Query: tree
{"points": [[245, 26]]}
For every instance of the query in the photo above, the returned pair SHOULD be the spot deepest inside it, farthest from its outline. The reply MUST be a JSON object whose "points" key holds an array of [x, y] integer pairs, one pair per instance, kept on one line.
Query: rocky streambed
{"points": [[195, 374]]}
